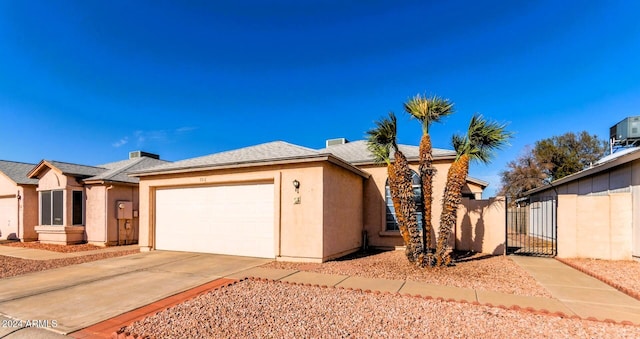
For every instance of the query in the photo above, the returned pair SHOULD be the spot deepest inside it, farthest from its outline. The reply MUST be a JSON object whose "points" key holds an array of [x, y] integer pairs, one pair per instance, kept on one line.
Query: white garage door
{"points": [[235, 220], [8, 218]]}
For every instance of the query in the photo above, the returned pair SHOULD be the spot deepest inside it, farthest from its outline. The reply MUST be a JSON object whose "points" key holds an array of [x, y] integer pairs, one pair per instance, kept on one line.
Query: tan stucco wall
{"points": [[598, 227], [95, 214], [481, 225], [473, 188], [375, 208], [343, 211], [29, 213], [298, 227], [119, 231]]}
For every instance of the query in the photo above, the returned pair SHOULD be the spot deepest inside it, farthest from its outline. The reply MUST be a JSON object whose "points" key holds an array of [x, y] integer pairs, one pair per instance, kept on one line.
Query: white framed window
{"points": [[51, 207]]}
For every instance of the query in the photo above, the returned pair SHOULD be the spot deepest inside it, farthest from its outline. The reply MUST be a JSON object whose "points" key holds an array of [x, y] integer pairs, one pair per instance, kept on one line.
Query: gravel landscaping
{"points": [[477, 271], [55, 248], [10, 266], [622, 274], [259, 309]]}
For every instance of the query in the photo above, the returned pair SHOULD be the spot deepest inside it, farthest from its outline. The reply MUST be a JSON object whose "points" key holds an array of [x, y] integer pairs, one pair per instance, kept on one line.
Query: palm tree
{"points": [[427, 111], [482, 139], [382, 140]]}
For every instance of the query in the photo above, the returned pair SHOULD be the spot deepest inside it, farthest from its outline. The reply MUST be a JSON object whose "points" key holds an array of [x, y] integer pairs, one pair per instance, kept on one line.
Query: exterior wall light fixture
{"points": [[296, 184]]}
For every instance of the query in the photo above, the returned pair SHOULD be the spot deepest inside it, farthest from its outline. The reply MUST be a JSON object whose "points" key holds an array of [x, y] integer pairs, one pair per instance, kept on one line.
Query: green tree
{"points": [[427, 111], [382, 141], [521, 175], [569, 153], [482, 139], [551, 159]]}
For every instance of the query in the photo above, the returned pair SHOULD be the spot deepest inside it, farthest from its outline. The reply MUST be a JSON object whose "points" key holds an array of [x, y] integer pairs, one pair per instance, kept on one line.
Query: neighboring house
{"points": [[98, 204], [18, 201], [278, 200], [598, 209]]}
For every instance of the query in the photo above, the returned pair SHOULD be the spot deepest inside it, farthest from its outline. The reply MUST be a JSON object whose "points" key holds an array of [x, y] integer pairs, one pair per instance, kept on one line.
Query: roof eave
{"points": [[410, 159], [282, 161], [106, 182]]}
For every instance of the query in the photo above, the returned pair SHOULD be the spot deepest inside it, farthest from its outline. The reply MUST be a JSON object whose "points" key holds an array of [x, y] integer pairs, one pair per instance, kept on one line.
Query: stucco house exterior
{"points": [[18, 201], [278, 200], [97, 204], [598, 209]]}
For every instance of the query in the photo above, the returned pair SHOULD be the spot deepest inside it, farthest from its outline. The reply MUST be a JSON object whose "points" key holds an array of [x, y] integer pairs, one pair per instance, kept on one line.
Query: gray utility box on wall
{"points": [[628, 128], [124, 210]]}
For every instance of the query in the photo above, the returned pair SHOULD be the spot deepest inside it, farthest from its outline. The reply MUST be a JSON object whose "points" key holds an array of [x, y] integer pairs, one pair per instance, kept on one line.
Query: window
{"points": [[392, 221], [51, 207], [77, 208]]}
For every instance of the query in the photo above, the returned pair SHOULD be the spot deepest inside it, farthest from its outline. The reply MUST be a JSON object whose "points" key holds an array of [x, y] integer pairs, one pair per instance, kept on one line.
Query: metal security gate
{"points": [[532, 226]]}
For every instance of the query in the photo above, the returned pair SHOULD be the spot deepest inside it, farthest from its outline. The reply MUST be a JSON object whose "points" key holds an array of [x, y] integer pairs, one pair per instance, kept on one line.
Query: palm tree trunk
{"points": [[394, 188], [408, 208], [456, 178], [427, 172]]}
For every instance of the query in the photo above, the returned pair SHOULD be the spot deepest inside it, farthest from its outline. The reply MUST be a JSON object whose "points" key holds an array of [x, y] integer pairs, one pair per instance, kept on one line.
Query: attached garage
{"points": [[227, 219], [273, 200], [8, 216]]}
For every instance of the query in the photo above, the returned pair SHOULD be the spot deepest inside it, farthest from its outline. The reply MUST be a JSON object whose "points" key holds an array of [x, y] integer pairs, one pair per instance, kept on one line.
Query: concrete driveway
{"points": [[78, 296]]}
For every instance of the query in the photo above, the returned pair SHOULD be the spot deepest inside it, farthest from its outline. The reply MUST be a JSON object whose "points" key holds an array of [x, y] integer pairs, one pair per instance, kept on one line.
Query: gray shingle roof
{"points": [[276, 150], [17, 171], [356, 152], [119, 171], [75, 169]]}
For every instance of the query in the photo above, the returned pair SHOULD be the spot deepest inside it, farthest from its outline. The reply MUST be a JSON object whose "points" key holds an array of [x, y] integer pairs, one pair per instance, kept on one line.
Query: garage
{"points": [[8, 215], [230, 219]]}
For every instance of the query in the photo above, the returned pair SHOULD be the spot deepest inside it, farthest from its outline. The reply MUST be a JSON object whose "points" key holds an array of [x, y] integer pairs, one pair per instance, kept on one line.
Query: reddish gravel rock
{"points": [[623, 273], [10, 266], [55, 248], [257, 309], [477, 271]]}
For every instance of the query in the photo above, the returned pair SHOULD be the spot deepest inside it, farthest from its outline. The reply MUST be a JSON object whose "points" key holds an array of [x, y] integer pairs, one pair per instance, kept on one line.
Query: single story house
{"points": [[18, 201], [598, 209], [278, 200], [96, 204]]}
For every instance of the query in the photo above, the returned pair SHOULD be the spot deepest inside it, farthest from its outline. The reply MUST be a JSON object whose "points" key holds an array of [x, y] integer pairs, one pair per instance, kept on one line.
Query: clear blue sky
{"points": [[89, 81]]}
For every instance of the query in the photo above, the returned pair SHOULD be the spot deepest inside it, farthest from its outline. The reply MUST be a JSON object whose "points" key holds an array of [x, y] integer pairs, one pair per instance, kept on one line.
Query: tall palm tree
{"points": [[382, 140], [482, 139], [427, 110]]}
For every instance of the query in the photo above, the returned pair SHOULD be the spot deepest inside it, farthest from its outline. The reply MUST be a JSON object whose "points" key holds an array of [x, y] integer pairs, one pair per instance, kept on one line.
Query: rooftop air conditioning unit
{"points": [[140, 154], [336, 141], [628, 128]]}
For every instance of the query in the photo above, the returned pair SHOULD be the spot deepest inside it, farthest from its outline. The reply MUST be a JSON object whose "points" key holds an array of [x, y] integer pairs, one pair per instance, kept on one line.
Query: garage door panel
{"points": [[8, 218], [236, 220]]}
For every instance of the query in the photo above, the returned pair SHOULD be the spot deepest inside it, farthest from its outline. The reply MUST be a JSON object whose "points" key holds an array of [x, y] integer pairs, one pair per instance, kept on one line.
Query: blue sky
{"points": [[89, 81]]}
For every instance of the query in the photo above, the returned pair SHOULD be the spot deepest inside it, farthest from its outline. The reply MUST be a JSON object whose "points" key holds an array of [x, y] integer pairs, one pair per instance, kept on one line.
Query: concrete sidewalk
{"points": [[574, 292], [584, 295], [34, 254]]}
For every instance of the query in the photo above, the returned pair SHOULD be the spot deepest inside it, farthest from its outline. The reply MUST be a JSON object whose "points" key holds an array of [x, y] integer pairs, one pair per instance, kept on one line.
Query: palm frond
{"points": [[428, 109], [460, 144], [485, 137], [382, 139]]}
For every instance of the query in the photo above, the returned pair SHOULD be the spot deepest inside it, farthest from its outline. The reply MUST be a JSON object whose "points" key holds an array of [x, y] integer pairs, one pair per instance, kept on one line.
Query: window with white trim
{"points": [[51, 207]]}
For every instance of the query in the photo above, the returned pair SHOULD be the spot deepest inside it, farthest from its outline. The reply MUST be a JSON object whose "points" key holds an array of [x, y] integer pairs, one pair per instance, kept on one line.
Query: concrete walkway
{"points": [[79, 296], [34, 254], [574, 292], [584, 295]]}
